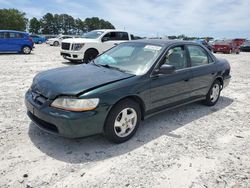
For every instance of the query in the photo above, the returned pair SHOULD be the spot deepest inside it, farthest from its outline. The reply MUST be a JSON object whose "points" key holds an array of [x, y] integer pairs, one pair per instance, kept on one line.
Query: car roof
{"points": [[109, 30], [14, 31], [163, 42]]}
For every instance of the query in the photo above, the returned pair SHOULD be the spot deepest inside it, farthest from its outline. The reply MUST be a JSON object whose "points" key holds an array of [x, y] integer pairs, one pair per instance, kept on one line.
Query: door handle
{"points": [[212, 73], [115, 44], [186, 80]]}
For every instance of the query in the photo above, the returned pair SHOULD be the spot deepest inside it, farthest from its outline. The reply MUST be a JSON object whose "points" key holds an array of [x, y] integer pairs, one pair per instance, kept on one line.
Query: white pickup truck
{"points": [[92, 44]]}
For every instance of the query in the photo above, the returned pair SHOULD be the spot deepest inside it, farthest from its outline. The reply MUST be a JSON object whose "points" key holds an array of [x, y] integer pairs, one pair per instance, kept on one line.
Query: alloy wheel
{"points": [[125, 122], [26, 50], [215, 92]]}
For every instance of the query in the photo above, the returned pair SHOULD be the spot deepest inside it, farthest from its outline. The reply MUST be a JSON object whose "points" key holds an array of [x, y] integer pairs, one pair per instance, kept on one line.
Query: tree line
{"points": [[50, 23]]}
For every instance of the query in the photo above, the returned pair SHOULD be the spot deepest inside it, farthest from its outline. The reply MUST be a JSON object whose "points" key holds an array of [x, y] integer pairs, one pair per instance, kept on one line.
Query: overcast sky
{"points": [[217, 18]]}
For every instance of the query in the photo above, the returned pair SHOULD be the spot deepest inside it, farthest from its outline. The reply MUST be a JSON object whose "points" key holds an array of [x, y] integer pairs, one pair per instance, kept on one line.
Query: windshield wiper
{"points": [[111, 67]]}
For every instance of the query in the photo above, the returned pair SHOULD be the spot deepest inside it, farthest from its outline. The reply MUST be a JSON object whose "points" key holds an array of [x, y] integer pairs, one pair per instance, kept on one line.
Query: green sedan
{"points": [[123, 86]]}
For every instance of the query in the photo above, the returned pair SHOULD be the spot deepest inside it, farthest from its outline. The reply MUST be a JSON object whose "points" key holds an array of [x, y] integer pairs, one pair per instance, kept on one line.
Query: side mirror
{"points": [[104, 39], [165, 69]]}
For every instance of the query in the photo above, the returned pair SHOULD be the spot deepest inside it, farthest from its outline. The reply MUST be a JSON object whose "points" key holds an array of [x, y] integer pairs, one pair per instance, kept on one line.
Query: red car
{"points": [[238, 41], [225, 46]]}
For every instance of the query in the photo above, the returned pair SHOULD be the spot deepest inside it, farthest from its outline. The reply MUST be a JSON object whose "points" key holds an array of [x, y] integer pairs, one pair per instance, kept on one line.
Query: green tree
{"points": [[96, 23], [47, 23], [34, 26], [80, 26], [67, 24], [182, 36], [13, 19]]}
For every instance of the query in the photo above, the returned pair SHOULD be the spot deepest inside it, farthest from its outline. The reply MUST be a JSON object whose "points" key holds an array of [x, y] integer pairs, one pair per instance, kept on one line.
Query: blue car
{"points": [[38, 39], [15, 41]]}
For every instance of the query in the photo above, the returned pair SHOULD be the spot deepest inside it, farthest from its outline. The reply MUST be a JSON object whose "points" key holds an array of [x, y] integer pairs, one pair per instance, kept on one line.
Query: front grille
{"points": [[65, 46], [38, 98], [43, 124]]}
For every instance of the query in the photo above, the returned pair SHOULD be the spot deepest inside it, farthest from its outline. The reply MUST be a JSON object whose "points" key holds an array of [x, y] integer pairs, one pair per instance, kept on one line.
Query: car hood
{"points": [[52, 39], [79, 40], [74, 80]]}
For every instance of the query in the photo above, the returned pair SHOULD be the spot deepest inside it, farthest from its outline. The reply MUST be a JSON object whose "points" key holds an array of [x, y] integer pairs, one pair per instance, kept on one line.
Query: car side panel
{"points": [[169, 89], [3, 45], [203, 77], [17, 44]]}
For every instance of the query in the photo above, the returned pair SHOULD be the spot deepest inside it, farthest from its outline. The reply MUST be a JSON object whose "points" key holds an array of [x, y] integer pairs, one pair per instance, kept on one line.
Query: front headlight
{"points": [[77, 46], [75, 104]]}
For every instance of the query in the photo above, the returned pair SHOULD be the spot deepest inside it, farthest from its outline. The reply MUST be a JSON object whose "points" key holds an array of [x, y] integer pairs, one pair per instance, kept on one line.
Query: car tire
{"points": [[26, 50], [56, 43], [122, 121], [75, 61], [89, 55], [213, 94]]}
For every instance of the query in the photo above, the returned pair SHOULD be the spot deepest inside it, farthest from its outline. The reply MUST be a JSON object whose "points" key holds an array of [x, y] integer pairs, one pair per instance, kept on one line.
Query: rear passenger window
{"points": [[121, 36], [198, 56], [176, 56], [116, 36], [5, 35], [1, 35], [15, 35]]}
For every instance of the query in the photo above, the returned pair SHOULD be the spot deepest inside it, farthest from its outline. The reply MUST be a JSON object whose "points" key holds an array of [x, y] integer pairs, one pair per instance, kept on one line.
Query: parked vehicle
{"points": [[57, 41], [205, 43], [123, 86], [225, 46], [238, 41], [245, 47], [15, 41], [93, 43], [38, 39]]}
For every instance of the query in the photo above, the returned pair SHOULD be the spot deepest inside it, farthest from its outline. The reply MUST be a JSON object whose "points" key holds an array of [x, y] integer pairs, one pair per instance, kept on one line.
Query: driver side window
{"points": [[176, 56], [109, 36]]}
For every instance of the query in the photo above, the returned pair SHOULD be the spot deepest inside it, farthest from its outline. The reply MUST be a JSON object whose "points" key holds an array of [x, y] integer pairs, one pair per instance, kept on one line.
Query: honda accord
{"points": [[123, 86]]}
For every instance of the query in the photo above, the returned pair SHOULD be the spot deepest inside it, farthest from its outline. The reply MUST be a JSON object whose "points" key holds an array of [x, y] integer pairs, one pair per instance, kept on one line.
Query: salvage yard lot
{"points": [[191, 146]]}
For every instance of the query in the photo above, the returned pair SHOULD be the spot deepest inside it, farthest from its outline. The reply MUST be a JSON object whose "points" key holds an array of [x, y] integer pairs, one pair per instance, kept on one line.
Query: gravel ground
{"points": [[191, 146]]}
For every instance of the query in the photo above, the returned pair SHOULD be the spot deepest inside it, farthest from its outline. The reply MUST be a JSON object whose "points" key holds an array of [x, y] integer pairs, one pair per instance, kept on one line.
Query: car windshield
{"points": [[247, 43], [222, 42], [93, 34], [133, 58]]}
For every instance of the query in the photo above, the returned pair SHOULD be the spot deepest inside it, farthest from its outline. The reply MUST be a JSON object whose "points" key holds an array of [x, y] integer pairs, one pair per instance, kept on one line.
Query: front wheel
{"points": [[122, 121], [89, 55], [26, 50], [56, 43], [213, 94]]}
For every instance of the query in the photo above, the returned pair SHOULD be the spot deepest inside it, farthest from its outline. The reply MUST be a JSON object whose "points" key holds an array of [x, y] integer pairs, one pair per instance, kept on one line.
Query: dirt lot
{"points": [[192, 146]]}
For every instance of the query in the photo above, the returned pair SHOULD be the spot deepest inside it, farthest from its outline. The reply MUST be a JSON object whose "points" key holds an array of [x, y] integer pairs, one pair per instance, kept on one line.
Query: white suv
{"points": [[92, 44]]}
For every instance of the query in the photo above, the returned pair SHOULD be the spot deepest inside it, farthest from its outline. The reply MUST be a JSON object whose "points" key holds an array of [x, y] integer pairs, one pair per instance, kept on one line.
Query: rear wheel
{"points": [[122, 121], [89, 55], [26, 50], [213, 94]]}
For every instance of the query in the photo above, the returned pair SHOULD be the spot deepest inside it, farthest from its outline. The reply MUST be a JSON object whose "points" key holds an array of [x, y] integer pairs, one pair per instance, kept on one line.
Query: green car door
{"points": [[203, 70], [171, 89]]}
